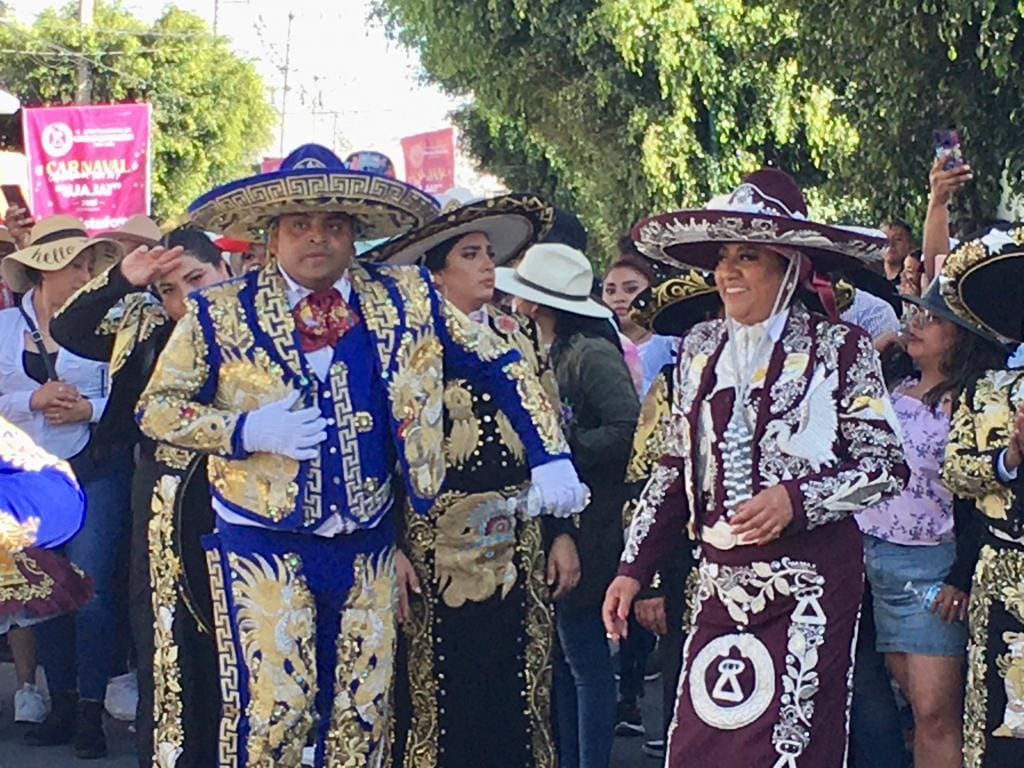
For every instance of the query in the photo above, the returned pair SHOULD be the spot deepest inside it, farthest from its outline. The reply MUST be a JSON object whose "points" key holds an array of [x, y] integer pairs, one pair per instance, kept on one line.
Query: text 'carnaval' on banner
{"points": [[92, 162]]}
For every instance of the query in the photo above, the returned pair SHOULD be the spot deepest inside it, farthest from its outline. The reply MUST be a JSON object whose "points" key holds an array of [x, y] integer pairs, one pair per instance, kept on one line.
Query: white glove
{"points": [[561, 492], [276, 428]]}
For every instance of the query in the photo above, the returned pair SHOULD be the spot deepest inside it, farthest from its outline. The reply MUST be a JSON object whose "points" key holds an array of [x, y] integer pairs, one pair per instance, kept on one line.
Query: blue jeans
{"points": [[633, 653], [584, 686], [78, 650]]}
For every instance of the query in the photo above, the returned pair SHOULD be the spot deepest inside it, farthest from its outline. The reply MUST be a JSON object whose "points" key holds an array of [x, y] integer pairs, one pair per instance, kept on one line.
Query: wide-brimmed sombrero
{"points": [[54, 243], [312, 179], [511, 222], [767, 208], [933, 301], [673, 307], [981, 281], [7, 244]]}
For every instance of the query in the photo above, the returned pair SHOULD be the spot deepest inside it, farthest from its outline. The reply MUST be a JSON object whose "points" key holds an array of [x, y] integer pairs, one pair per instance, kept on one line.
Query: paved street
{"points": [[13, 754]]}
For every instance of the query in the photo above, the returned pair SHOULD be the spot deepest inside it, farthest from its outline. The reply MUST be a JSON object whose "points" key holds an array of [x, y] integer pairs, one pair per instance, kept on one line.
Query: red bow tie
{"points": [[322, 318]]}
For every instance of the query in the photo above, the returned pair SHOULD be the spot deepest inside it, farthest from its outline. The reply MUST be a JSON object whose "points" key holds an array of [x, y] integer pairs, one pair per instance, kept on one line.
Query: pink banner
{"points": [[430, 160], [90, 161], [270, 164]]}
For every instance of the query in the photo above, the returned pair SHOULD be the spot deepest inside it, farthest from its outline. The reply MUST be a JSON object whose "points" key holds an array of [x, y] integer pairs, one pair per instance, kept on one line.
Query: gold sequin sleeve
{"points": [[474, 352], [980, 431], [174, 407]]}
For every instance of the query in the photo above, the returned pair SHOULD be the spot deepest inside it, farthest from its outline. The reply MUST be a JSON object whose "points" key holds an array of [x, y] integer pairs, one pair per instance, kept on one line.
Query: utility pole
{"points": [[85, 14], [284, 89]]}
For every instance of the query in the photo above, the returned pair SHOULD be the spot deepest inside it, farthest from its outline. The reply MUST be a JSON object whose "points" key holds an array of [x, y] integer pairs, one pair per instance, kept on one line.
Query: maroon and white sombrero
{"points": [[767, 208]]}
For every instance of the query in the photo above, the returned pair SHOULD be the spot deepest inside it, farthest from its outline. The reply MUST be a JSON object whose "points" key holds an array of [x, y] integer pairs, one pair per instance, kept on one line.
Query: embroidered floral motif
{"points": [[980, 430], [747, 590], [997, 586], [662, 478], [360, 715], [167, 408], [648, 440], [276, 620], [465, 430], [165, 574], [417, 397], [474, 546]]}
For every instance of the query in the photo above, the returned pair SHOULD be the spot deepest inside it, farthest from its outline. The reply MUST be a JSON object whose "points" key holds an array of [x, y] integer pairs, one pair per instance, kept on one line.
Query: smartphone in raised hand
{"points": [[14, 196], [947, 148]]}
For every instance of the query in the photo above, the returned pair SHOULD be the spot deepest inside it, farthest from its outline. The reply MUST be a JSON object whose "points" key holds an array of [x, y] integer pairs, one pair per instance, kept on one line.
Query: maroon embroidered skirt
{"points": [[37, 584], [766, 677]]}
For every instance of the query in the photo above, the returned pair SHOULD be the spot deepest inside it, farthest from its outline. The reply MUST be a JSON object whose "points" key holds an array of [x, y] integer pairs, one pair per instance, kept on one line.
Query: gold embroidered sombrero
{"points": [[511, 222], [312, 179], [54, 243], [673, 307], [981, 281]]}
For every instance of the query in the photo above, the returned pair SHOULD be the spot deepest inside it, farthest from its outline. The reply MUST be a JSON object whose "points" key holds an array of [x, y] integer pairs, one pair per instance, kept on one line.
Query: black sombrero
{"points": [[981, 281], [511, 222], [673, 307]]}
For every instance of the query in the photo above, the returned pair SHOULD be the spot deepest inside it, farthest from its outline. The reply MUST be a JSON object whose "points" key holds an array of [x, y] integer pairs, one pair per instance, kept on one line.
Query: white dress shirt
{"points": [[17, 387], [874, 315]]}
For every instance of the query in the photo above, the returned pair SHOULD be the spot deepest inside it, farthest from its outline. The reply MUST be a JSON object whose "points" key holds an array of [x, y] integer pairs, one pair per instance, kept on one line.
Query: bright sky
{"points": [[348, 86]]}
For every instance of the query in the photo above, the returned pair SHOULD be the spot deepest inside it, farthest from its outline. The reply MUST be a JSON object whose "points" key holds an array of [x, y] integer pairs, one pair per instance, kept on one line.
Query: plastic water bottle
{"points": [[926, 596]]}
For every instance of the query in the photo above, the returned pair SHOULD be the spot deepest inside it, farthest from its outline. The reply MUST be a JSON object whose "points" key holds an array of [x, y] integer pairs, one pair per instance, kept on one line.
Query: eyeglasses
{"points": [[920, 317]]}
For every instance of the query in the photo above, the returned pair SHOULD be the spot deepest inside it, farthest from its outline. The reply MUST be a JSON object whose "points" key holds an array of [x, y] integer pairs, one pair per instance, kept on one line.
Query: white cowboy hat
{"points": [[553, 275]]}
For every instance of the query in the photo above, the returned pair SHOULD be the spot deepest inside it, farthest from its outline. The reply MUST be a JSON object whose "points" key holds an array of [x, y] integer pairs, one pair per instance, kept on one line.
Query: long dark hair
{"points": [[568, 325], [967, 358]]}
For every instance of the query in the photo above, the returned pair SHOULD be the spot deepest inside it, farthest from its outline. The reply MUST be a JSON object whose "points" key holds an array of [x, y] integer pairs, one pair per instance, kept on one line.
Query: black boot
{"points": [[59, 725], [90, 743]]}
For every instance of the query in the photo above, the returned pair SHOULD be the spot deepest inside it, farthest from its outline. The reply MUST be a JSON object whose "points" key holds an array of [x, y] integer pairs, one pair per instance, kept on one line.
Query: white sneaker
{"points": [[122, 697], [29, 706]]}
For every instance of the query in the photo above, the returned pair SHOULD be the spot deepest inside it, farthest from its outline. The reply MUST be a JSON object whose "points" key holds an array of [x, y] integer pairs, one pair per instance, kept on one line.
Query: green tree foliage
{"points": [[904, 69], [211, 114], [627, 106]]}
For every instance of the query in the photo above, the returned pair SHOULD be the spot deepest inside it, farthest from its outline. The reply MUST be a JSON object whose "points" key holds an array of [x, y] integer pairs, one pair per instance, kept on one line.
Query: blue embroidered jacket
{"points": [[40, 502], [236, 350]]}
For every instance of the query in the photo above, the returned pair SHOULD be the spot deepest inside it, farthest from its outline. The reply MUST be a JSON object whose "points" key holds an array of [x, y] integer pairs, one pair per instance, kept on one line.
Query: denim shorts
{"points": [[902, 623]]}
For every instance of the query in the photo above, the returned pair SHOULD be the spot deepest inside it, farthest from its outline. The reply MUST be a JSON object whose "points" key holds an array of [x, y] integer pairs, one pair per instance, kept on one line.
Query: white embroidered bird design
{"points": [[818, 421]]}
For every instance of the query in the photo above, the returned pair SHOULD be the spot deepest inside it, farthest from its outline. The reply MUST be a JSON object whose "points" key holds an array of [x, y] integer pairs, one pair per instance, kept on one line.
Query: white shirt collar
{"points": [[297, 293], [772, 326], [479, 316], [28, 304]]}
